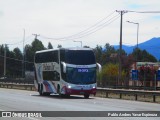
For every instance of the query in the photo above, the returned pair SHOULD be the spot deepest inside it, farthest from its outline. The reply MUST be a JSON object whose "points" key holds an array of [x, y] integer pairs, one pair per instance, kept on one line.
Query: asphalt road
{"points": [[21, 100]]}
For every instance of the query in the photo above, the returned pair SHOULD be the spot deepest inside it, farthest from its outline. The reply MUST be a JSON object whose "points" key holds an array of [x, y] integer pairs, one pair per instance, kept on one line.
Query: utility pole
{"points": [[36, 35], [78, 41], [5, 59], [23, 66], [120, 46]]}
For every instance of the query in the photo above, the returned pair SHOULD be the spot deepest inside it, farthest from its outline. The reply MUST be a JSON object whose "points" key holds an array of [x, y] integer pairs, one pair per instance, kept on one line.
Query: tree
{"points": [[98, 54], [17, 53], [106, 54], [143, 56], [59, 46], [36, 45], [1, 59], [146, 74], [127, 61], [30, 50], [109, 75], [50, 46], [2, 49]]}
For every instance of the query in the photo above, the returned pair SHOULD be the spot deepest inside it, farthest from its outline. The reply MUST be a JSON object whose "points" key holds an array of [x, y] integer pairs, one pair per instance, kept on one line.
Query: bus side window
{"points": [[56, 76]]}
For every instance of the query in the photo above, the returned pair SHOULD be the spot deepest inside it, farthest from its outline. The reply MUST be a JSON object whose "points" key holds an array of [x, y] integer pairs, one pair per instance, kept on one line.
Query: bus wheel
{"points": [[86, 96], [40, 89], [58, 91]]}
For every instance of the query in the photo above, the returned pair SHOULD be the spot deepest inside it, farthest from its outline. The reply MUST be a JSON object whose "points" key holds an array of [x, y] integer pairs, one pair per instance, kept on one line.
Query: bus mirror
{"points": [[99, 67], [64, 66]]}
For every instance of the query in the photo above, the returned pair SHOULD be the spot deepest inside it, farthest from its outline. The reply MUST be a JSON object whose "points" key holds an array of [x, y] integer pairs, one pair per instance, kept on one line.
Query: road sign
{"points": [[158, 75], [134, 74]]}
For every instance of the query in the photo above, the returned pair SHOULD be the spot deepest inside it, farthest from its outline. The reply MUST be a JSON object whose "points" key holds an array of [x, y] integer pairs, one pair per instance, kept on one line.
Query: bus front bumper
{"points": [[80, 92]]}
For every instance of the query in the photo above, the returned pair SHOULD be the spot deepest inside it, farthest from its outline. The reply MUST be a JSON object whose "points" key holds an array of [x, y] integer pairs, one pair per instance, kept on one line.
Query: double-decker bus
{"points": [[66, 71]]}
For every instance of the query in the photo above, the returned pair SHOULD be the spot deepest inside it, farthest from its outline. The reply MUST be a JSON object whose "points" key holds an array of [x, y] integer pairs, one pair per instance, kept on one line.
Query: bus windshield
{"points": [[79, 57], [81, 75]]}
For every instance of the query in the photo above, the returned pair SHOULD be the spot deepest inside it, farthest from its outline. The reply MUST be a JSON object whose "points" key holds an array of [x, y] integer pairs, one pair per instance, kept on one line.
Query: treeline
{"points": [[15, 66], [108, 57], [105, 55]]}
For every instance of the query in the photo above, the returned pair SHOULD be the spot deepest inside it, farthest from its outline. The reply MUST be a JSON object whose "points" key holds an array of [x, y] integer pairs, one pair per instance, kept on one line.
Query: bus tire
{"points": [[38, 87], [59, 92], [86, 96], [41, 89]]}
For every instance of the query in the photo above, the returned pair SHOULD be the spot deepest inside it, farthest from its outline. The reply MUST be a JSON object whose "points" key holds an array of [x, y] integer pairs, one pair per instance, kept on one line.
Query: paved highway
{"points": [[21, 100]]}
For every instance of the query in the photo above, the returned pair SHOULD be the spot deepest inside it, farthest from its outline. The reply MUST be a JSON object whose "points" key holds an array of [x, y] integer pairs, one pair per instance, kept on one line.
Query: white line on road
{"points": [[31, 118]]}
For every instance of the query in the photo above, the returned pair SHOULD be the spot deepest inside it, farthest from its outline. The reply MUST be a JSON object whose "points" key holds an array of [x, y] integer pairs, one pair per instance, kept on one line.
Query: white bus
{"points": [[66, 71]]}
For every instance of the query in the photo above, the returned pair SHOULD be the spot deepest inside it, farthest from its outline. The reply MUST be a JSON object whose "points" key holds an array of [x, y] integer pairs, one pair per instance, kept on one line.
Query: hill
{"points": [[152, 46]]}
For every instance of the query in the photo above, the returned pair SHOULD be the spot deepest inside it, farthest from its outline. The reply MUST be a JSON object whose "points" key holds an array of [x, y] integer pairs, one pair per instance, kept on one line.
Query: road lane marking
{"points": [[31, 118]]}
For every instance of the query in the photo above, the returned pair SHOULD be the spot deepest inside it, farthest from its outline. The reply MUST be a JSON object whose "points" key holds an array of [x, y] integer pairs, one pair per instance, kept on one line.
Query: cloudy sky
{"points": [[64, 21]]}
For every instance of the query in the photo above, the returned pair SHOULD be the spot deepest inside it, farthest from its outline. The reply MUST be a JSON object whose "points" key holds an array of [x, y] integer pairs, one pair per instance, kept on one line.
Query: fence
{"points": [[136, 93], [17, 81], [100, 91], [127, 83]]}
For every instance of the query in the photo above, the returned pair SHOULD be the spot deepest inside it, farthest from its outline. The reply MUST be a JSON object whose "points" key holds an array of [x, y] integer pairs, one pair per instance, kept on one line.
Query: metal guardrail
{"points": [[134, 87], [17, 81], [136, 93], [17, 86], [28, 85], [26, 81]]}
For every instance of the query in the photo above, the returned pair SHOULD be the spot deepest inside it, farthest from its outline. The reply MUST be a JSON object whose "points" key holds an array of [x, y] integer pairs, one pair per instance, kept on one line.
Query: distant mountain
{"points": [[152, 46]]}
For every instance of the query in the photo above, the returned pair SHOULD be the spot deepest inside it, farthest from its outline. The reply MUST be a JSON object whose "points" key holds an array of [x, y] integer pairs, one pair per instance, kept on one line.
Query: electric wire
{"points": [[82, 35], [144, 11], [26, 40], [104, 25], [16, 59], [87, 31]]}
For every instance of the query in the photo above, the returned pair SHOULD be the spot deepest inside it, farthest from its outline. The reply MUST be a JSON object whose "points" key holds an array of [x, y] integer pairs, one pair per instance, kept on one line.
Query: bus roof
{"points": [[73, 48]]}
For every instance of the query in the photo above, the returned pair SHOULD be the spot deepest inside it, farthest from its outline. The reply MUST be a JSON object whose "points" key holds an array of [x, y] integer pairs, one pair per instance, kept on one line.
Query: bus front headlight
{"points": [[94, 86], [69, 86]]}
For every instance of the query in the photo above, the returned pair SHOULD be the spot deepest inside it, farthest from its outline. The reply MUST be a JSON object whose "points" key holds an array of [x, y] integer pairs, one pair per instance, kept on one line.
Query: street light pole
{"points": [[78, 41], [137, 39], [137, 30], [137, 33]]}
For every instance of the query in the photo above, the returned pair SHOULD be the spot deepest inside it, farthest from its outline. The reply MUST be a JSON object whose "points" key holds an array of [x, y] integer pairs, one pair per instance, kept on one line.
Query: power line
{"points": [[16, 43], [99, 25], [86, 33], [16, 59], [144, 11], [104, 25], [92, 27]]}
